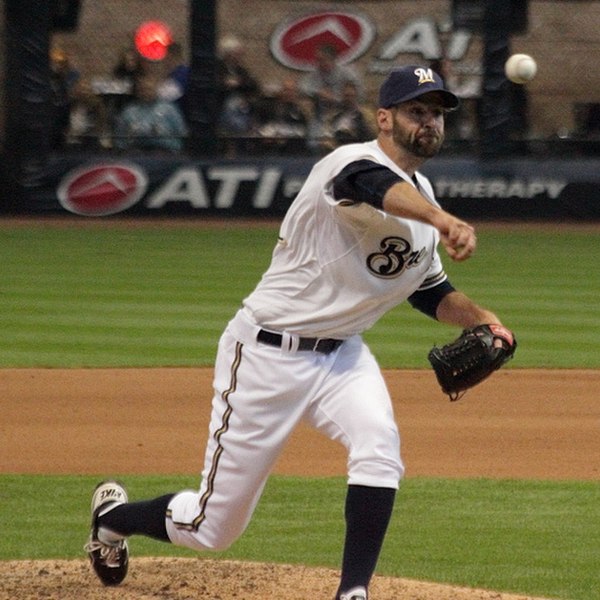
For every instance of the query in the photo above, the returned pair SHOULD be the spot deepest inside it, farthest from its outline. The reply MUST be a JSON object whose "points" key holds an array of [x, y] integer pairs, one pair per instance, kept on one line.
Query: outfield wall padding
{"points": [[101, 185]]}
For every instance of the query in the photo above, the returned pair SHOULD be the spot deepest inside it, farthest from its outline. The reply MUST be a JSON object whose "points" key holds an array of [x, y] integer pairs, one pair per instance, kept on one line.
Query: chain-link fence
{"points": [[277, 42]]}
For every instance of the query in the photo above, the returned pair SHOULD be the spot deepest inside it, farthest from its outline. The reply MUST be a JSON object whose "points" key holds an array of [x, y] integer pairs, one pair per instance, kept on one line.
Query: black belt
{"points": [[323, 345]]}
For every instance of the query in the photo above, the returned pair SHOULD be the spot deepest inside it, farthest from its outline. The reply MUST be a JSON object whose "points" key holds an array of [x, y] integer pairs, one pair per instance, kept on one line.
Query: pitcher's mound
{"points": [[190, 578]]}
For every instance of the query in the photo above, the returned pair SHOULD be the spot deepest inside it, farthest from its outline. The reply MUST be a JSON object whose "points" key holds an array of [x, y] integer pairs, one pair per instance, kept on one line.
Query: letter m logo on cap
{"points": [[424, 75]]}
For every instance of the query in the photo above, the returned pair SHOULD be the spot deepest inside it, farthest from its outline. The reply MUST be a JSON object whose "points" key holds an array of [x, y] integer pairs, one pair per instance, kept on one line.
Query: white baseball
{"points": [[520, 68]]}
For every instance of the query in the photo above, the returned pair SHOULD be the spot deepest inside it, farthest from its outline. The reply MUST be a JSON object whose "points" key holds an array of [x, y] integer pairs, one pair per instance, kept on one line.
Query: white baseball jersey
{"points": [[339, 266]]}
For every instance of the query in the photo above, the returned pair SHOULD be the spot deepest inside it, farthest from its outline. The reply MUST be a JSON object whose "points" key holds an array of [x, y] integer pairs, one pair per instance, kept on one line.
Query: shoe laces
{"points": [[110, 555]]}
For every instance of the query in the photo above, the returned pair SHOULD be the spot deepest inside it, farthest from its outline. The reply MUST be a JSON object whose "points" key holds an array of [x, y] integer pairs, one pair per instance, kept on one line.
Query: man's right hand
{"points": [[457, 237]]}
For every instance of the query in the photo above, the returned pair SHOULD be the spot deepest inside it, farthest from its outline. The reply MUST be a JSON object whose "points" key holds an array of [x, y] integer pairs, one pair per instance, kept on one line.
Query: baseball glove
{"points": [[471, 358]]}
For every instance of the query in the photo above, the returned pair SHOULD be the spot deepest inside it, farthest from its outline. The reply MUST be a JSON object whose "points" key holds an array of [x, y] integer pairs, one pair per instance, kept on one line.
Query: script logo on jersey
{"points": [[395, 256], [103, 189], [294, 43]]}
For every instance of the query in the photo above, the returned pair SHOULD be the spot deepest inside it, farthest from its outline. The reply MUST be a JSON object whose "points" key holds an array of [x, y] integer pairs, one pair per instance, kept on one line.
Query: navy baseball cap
{"points": [[412, 81]]}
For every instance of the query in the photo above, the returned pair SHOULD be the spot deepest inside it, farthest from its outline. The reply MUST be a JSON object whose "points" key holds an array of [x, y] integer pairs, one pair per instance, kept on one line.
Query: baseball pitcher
{"points": [[361, 237]]}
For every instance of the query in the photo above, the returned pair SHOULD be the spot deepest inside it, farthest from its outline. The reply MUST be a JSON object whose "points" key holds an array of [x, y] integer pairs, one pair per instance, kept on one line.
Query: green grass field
{"points": [[118, 295], [539, 538], [150, 296]]}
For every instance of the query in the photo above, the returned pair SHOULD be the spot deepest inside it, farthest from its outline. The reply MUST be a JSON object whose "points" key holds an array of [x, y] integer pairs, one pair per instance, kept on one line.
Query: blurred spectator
{"points": [[174, 86], [324, 85], [353, 122], [88, 125], [63, 77], [62, 66], [116, 88], [129, 66], [282, 119], [344, 123], [149, 123], [238, 90]]}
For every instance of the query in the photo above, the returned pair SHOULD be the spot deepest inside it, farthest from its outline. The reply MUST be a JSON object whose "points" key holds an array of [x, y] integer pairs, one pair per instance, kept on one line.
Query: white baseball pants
{"points": [[261, 393]]}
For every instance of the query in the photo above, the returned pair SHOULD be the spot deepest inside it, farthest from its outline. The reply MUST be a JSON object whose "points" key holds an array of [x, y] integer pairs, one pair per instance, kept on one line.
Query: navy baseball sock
{"points": [[368, 512], [146, 518]]}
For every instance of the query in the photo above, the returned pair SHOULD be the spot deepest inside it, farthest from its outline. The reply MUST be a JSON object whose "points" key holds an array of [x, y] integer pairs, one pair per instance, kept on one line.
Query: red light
{"points": [[152, 40]]}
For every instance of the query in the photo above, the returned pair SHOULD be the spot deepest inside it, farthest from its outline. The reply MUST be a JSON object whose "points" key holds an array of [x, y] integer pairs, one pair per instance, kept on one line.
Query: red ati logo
{"points": [[294, 42], [102, 189]]}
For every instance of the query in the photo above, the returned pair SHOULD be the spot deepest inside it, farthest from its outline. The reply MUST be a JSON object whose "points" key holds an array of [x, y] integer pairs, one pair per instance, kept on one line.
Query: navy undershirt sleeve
{"points": [[364, 181], [428, 300]]}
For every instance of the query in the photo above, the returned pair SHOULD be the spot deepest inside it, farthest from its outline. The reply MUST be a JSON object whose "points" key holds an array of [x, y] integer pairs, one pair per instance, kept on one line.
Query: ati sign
{"points": [[225, 187], [257, 189], [101, 190], [294, 42]]}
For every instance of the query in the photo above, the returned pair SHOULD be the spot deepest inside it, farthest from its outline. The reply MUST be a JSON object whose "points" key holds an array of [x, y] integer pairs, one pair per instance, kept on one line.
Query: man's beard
{"points": [[421, 145]]}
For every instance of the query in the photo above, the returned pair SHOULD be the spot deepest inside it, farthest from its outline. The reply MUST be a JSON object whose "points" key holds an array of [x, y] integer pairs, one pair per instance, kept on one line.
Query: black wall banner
{"points": [[101, 185]]}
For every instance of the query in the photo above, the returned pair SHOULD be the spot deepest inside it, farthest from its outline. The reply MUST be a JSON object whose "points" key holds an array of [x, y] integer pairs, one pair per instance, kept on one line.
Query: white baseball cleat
{"points": [[110, 560], [357, 593]]}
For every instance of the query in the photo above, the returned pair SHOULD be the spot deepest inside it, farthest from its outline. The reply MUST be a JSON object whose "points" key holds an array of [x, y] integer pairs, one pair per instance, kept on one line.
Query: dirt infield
{"points": [[520, 424], [540, 424]]}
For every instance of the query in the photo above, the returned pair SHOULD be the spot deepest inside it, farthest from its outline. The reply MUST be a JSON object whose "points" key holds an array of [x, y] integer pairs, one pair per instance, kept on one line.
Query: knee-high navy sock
{"points": [[368, 512], [146, 518]]}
